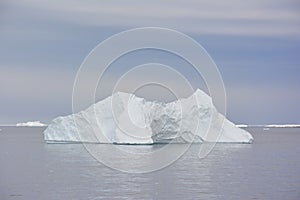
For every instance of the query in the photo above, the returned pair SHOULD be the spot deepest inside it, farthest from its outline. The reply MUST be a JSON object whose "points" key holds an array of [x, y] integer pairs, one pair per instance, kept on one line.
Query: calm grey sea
{"points": [[267, 169]]}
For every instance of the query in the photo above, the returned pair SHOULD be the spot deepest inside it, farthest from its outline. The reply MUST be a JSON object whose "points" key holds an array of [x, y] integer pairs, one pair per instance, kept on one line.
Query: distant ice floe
{"points": [[241, 125], [283, 126], [31, 124], [269, 126]]}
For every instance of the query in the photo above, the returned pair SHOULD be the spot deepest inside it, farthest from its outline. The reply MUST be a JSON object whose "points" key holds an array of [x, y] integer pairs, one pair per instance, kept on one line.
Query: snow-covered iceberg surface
{"points": [[126, 119], [33, 124]]}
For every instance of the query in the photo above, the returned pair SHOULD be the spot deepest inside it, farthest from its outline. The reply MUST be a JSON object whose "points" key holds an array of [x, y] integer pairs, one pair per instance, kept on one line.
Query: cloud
{"points": [[264, 104], [34, 93], [44, 42], [231, 17], [34, 85]]}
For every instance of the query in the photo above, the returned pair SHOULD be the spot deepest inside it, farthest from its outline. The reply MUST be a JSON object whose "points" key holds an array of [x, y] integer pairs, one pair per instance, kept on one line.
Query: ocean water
{"points": [[267, 169]]}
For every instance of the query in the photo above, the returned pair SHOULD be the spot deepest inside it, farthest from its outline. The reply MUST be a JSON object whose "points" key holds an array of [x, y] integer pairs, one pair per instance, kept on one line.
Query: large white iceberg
{"points": [[127, 119]]}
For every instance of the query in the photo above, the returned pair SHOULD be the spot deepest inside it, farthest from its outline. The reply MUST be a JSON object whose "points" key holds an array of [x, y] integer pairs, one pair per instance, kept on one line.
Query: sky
{"points": [[255, 44]]}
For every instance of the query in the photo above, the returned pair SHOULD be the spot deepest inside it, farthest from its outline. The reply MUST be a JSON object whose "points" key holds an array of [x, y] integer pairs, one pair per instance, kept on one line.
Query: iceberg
{"points": [[124, 118], [282, 126], [269, 126], [241, 125], [31, 124]]}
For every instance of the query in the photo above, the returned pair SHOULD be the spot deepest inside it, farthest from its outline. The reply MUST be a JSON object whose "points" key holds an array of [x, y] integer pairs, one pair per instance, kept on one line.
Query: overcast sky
{"points": [[255, 44]]}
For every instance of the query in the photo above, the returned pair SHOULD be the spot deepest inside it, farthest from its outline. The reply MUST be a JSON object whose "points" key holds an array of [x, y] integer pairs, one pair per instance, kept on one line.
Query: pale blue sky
{"points": [[255, 44]]}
